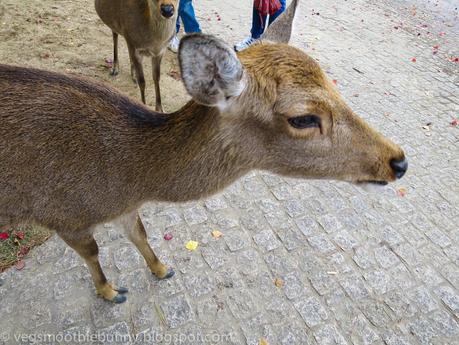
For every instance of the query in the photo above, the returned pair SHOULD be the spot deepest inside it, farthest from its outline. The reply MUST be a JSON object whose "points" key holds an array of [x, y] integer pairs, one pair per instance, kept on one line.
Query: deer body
{"points": [[75, 153], [147, 28]]}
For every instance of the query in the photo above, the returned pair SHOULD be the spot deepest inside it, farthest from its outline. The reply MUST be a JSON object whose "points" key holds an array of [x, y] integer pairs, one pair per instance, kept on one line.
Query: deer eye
{"points": [[305, 121]]}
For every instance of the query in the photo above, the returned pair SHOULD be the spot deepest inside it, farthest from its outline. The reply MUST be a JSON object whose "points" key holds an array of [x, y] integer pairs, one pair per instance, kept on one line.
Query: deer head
{"points": [[280, 109]]}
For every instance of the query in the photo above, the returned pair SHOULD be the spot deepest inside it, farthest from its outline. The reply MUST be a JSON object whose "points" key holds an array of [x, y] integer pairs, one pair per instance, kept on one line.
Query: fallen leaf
{"points": [[24, 250], [19, 265], [278, 282], [174, 74], [108, 63], [335, 81], [263, 341], [454, 123], [413, 59], [4, 236], [401, 191], [168, 236], [216, 234], [20, 235], [191, 245]]}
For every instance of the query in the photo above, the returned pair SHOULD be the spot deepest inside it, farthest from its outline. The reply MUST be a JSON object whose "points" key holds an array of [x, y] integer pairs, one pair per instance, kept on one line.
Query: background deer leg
{"points": [[115, 67], [85, 245], [156, 71], [137, 69], [135, 231]]}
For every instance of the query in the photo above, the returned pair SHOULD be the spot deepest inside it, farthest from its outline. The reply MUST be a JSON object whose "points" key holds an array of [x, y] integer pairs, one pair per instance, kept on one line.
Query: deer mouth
{"points": [[373, 182]]}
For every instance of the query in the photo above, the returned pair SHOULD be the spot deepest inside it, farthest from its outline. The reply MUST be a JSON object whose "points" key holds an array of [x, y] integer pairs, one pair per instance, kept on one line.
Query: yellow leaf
{"points": [[216, 234], [263, 341], [278, 282], [191, 245]]}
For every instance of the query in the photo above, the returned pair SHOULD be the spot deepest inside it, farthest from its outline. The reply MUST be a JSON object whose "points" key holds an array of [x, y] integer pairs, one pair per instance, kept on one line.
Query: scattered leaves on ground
{"points": [[278, 282], [191, 245], [168, 236], [263, 341], [216, 234], [401, 191], [174, 74], [19, 265]]}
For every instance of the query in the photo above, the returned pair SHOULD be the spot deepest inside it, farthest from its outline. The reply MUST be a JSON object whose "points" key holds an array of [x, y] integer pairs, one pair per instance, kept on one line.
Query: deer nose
{"points": [[167, 10], [399, 166]]}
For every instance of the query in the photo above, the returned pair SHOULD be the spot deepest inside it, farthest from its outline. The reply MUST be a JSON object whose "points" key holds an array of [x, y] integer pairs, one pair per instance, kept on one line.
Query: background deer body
{"points": [[147, 26]]}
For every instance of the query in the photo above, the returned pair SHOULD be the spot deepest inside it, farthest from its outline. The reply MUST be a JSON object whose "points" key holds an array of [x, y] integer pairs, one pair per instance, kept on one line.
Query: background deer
{"points": [[147, 26], [75, 153]]}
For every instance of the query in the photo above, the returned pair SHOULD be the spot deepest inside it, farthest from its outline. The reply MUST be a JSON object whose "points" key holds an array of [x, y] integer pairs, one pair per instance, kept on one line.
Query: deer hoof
{"points": [[170, 273], [121, 290], [114, 71], [118, 299]]}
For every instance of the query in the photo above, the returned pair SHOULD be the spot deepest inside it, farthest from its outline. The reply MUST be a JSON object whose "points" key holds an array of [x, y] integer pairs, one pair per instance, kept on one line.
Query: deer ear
{"points": [[210, 70], [280, 30]]}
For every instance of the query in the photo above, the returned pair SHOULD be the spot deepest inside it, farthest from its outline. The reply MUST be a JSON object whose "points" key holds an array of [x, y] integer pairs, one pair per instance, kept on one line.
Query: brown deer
{"points": [[75, 153], [147, 26]]}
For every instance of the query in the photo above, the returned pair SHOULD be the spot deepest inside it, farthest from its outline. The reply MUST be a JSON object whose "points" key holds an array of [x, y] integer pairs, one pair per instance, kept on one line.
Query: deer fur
{"points": [[75, 153], [146, 31]]}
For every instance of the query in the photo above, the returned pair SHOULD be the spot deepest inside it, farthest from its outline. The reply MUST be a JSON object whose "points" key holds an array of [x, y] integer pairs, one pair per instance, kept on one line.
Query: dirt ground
{"points": [[68, 36]]}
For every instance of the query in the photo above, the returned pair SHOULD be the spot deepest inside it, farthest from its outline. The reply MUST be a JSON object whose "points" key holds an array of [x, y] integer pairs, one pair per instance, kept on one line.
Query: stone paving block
{"points": [[312, 311], [195, 215], [329, 335], [428, 275], [292, 334], [400, 304], [127, 258], [392, 338], [104, 314], [241, 304], [177, 311], [322, 244], [293, 287], [258, 328], [364, 258], [450, 297], [422, 329], [445, 324], [198, 284], [385, 257], [354, 287], [423, 299], [267, 240], [117, 333], [345, 240], [308, 226], [379, 281]]}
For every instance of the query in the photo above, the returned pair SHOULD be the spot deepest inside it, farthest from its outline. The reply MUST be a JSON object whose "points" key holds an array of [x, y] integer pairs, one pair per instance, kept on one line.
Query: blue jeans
{"points": [[186, 13], [258, 24]]}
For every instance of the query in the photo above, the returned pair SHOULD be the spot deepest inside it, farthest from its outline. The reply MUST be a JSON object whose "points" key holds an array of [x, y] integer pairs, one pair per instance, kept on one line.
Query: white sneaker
{"points": [[174, 44], [245, 43]]}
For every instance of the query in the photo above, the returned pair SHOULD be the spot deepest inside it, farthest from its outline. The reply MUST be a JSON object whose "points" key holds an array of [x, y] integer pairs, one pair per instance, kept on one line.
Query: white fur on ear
{"points": [[210, 69]]}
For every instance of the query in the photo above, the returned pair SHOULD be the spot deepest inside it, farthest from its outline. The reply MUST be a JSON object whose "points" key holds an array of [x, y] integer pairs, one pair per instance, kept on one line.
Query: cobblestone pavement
{"points": [[356, 268]]}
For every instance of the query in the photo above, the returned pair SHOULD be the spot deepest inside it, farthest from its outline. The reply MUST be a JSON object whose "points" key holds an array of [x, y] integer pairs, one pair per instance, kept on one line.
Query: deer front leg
{"points": [[115, 68], [156, 70], [86, 246], [135, 231], [137, 68]]}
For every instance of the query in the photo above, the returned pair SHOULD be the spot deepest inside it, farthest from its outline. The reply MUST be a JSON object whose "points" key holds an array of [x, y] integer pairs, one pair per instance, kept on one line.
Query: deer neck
{"points": [[193, 156]]}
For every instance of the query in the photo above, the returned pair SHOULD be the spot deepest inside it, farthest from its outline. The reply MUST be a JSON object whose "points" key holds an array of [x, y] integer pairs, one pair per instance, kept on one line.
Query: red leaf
{"points": [[20, 265], [335, 81], [413, 59], [24, 250], [4, 236], [20, 235], [454, 123], [168, 237]]}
